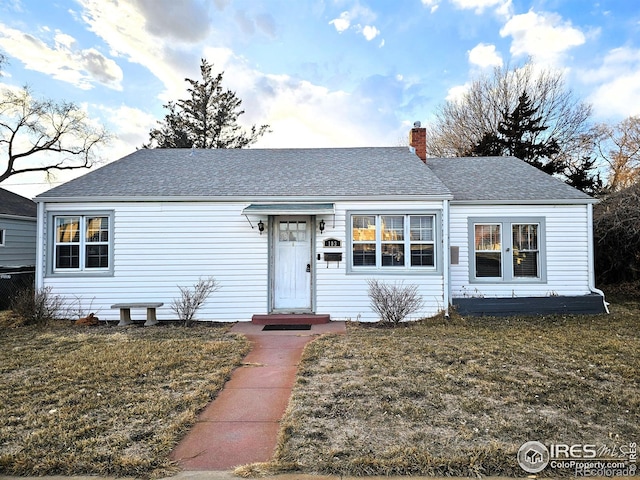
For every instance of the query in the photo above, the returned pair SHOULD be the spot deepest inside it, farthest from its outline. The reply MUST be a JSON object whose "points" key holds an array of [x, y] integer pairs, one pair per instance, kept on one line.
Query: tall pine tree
{"points": [[208, 119], [519, 132], [517, 135]]}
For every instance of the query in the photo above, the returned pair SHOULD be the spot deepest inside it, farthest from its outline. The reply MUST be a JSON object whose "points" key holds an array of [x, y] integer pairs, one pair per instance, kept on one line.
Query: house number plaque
{"points": [[332, 242]]}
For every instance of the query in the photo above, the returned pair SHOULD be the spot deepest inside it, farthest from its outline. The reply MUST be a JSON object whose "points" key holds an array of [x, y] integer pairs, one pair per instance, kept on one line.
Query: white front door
{"points": [[292, 263]]}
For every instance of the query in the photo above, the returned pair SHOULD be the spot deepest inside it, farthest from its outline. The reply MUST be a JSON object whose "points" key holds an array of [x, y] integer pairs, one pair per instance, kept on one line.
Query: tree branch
{"points": [[31, 128]]}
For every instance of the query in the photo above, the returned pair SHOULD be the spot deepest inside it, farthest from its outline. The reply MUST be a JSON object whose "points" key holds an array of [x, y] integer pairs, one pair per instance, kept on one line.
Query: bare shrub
{"points": [[616, 232], [192, 298], [76, 309], [394, 302], [37, 306]]}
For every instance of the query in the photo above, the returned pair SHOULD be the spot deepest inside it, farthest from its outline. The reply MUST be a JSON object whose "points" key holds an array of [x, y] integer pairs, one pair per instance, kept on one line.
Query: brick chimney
{"points": [[418, 140]]}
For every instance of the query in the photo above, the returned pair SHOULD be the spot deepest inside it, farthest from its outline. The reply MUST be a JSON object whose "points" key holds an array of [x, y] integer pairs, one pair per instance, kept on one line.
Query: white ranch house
{"points": [[302, 230]]}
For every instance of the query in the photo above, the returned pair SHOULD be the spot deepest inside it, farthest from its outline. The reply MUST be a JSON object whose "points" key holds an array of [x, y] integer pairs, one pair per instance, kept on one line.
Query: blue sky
{"points": [[322, 73]]}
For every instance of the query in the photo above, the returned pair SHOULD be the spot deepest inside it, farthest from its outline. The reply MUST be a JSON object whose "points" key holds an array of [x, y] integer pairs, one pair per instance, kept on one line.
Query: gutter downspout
{"points": [[591, 251], [40, 247], [446, 274]]}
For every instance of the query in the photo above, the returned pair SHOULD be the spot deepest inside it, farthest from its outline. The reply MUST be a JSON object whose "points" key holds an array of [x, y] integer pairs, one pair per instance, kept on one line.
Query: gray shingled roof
{"points": [[500, 179], [318, 172], [14, 204], [254, 173]]}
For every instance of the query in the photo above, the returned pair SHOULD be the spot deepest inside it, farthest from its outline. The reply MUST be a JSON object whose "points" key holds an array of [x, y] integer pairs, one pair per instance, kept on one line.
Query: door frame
{"points": [[273, 232]]}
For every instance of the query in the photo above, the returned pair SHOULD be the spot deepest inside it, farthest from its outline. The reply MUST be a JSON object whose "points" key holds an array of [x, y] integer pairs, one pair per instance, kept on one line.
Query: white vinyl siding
{"points": [[160, 246], [564, 251], [344, 294]]}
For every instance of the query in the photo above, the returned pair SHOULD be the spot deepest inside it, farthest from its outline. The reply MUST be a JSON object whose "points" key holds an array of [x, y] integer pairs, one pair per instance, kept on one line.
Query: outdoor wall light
{"points": [[260, 227], [321, 225]]}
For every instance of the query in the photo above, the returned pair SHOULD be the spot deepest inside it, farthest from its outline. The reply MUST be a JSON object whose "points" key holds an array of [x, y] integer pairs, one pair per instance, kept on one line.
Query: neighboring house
{"points": [[17, 245], [17, 231], [302, 230]]}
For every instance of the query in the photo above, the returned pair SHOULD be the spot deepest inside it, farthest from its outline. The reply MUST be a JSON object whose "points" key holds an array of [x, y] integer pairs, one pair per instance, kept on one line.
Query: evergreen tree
{"points": [[579, 176], [489, 145], [208, 119], [517, 135], [551, 118]]}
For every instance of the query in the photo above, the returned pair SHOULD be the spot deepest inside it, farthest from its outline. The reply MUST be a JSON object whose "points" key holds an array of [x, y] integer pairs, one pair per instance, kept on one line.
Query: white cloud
{"points": [[358, 13], [618, 93], [62, 60], [544, 36], [433, 4], [300, 113], [342, 23], [484, 55], [370, 32], [501, 6], [455, 94], [131, 127], [184, 21], [121, 26]]}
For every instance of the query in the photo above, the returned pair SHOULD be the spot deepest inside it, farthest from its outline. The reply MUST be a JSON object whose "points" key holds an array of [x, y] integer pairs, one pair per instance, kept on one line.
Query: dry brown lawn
{"points": [[105, 400], [460, 396], [437, 397]]}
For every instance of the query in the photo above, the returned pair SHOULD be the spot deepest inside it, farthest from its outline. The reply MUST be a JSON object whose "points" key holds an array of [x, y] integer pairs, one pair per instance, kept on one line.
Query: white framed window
{"points": [[507, 250], [81, 243], [392, 242]]}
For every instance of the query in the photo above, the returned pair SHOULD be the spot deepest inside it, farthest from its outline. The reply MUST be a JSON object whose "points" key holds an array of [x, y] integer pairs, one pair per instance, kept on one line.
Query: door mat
{"points": [[285, 327]]}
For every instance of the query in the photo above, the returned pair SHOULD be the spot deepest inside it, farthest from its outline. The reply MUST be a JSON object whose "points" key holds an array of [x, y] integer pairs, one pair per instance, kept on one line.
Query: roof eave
{"points": [[562, 201], [275, 199], [18, 217]]}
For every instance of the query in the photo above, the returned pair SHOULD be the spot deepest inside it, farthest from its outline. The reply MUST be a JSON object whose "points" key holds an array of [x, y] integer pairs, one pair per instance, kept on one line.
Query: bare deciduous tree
{"points": [[461, 124], [44, 135], [619, 148], [616, 232]]}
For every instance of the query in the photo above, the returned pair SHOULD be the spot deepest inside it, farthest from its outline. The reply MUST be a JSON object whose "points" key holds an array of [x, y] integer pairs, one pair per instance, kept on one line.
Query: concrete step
{"points": [[290, 319]]}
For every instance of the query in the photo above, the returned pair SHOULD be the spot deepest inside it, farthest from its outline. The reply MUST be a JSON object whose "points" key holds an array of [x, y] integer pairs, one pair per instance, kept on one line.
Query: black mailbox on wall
{"points": [[333, 257]]}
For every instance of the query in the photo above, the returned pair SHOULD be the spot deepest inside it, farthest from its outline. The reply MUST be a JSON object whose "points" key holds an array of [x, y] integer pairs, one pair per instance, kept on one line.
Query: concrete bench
{"points": [[125, 312]]}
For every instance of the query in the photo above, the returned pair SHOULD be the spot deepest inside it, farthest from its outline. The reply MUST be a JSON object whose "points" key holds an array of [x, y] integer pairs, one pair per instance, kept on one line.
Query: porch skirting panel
{"points": [[582, 304]]}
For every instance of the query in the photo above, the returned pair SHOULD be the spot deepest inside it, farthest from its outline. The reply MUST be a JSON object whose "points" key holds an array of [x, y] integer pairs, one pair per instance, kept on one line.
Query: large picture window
{"points": [[393, 241], [506, 249], [81, 243]]}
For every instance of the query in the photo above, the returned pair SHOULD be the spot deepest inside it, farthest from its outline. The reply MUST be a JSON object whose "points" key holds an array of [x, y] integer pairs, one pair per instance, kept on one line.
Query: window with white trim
{"points": [[393, 241], [507, 249], [82, 243]]}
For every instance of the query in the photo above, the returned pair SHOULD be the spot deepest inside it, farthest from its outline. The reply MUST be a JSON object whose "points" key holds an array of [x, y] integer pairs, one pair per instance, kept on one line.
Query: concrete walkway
{"points": [[241, 425]]}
